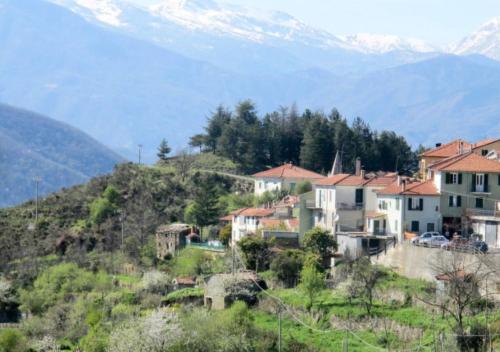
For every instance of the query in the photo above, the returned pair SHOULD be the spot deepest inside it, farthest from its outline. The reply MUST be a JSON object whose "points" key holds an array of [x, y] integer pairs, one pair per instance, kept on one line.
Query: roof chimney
{"points": [[461, 147], [399, 180], [438, 145], [362, 173], [358, 166], [404, 185]]}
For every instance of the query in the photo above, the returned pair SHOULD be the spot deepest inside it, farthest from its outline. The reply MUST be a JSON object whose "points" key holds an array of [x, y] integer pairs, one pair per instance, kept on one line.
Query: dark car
{"points": [[479, 246]]}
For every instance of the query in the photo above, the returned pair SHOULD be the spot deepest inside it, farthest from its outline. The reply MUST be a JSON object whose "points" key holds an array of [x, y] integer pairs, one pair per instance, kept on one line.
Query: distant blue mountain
{"points": [[126, 85], [32, 146]]}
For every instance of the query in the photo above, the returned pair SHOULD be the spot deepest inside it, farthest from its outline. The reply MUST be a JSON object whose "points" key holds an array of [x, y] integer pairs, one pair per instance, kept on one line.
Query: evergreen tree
{"points": [[204, 209], [316, 152], [216, 126], [163, 150]]}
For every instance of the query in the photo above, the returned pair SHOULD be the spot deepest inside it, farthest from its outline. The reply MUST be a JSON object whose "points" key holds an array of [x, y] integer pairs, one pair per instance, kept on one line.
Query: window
{"points": [[455, 201], [397, 203], [292, 186], [359, 196], [479, 203], [415, 226], [484, 152], [416, 204], [453, 178], [430, 227]]}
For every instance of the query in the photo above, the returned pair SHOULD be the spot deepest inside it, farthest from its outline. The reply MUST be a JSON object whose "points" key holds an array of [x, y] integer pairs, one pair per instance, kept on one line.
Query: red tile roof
{"points": [[185, 280], [257, 212], [353, 180], [468, 162], [289, 171], [332, 180], [485, 142], [447, 149], [426, 188]]}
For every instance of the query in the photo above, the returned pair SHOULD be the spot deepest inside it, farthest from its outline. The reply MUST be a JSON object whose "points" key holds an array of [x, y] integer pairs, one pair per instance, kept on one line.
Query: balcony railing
{"points": [[483, 212], [346, 206]]}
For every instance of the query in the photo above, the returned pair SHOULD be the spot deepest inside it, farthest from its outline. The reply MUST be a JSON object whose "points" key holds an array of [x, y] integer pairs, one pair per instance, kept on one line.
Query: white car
{"points": [[426, 236], [433, 241]]}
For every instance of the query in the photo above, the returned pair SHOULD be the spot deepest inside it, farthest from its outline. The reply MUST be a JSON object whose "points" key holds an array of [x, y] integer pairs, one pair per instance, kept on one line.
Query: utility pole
{"points": [[279, 328], [37, 180], [232, 255], [122, 219], [140, 152]]}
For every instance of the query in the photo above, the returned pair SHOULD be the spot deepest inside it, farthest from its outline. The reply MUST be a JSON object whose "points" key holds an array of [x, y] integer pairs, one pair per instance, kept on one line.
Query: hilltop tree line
{"points": [[310, 139]]}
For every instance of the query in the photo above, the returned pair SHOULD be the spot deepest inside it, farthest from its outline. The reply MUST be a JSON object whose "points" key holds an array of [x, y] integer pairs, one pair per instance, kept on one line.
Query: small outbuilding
{"points": [[221, 290]]}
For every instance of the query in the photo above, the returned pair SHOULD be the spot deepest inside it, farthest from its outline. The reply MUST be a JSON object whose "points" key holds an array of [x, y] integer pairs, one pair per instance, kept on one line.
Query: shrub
{"points": [[12, 340], [287, 266]]}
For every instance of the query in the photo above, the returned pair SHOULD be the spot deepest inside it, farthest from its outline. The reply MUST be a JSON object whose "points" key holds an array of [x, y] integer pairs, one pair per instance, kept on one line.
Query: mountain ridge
{"points": [[33, 145]]}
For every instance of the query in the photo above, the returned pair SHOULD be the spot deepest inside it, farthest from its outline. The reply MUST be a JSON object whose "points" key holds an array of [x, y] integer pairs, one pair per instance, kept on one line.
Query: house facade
{"points": [[247, 221], [406, 205], [286, 176], [343, 200], [470, 191]]}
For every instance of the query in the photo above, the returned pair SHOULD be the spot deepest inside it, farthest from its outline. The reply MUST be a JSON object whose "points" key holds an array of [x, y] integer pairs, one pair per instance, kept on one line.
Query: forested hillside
{"points": [[32, 146], [310, 138]]}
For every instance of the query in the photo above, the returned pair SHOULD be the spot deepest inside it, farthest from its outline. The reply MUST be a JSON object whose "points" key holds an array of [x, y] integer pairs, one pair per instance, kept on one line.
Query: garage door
{"points": [[491, 233]]}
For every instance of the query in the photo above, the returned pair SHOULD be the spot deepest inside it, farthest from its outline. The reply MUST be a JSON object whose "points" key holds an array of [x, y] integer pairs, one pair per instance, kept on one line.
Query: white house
{"points": [[342, 200], [284, 176], [406, 205], [247, 221]]}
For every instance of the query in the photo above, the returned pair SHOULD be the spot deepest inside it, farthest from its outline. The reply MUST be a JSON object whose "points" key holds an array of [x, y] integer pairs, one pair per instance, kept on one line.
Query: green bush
{"points": [[12, 340]]}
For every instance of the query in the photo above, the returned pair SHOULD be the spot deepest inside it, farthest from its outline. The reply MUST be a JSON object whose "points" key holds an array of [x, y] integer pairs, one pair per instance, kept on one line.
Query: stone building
{"points": [[170, 238], [221, 290]]}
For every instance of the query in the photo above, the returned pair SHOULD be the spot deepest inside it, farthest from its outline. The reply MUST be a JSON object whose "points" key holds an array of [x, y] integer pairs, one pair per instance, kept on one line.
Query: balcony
{"points": [[483, 212], [480, 189], [347, 206], [311, 204]]}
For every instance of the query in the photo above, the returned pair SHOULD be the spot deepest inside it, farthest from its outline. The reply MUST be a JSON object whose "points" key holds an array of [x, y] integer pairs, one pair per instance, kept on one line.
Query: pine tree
{"points": [[316, 152], [163, 150]]}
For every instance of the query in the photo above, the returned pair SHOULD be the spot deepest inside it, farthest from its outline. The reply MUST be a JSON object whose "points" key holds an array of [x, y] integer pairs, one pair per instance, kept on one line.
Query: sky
{"points": [[440, 22]]}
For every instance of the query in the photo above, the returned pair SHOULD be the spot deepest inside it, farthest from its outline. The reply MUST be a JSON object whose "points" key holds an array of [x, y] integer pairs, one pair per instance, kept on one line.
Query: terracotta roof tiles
{"points": [[447, 149], [468, 162], [289, 171]]}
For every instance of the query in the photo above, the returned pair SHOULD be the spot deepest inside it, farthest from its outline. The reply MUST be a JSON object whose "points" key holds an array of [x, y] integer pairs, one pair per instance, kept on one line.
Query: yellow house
{"points": [[440, 152], [458, 146]]}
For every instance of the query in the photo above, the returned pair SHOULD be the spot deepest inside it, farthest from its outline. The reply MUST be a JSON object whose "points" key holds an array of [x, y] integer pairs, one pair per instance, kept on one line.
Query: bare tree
{"points": [[461, 278], [365, 277], [183, 162]]}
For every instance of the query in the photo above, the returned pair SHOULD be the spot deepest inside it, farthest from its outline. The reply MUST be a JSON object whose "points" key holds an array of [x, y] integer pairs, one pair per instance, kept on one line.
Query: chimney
{"points": [[460, 147], [399, 180], [404, 185], [358, 166], [438, 145], [363, 173]]}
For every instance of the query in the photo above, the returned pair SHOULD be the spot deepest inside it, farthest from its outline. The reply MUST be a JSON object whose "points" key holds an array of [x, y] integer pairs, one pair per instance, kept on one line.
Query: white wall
{"points": [[325, 202], [394, 214], [242, 226], [428, 215], [266, 185]]}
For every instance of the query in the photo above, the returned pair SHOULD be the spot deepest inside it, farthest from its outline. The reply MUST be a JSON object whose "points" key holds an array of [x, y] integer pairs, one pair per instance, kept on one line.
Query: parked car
{"points": [[423, 237], [464, 245], [433, 241], [480, 246]]}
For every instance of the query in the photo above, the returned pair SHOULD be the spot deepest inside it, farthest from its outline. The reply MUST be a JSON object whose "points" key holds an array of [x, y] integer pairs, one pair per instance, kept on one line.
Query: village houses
{"points": [[458, 191]]}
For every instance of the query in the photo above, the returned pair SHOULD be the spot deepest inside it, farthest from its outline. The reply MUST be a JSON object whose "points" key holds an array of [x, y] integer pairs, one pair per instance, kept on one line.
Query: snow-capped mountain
{"points": [[484, 41], [205, 27], [378, 43]]}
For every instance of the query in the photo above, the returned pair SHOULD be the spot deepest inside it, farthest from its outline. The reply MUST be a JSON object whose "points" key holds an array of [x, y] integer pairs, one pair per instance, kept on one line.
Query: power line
{"points": [[300, 321]]}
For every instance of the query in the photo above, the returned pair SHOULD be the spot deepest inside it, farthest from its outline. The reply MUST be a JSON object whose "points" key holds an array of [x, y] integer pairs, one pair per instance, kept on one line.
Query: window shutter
{"points": [[409, 203], [473, 183], [450, 201], [486, 182], [421, 204], [499, 180], [459, 201], [447, 177], [460, 178]]}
